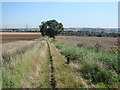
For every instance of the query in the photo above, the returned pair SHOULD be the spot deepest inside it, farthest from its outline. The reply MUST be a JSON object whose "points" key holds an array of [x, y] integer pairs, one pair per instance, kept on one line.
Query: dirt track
{"points": [[52, 77]]}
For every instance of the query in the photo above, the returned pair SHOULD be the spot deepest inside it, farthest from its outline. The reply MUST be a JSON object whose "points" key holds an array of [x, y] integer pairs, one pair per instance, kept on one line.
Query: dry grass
{"points": [[106, 42], [13, 46], [38, 77], [20, 64], [9, 50]]}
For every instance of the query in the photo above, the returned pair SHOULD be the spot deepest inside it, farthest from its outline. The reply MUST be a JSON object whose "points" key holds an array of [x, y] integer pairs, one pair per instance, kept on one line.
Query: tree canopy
{"points": [[51, 28]]}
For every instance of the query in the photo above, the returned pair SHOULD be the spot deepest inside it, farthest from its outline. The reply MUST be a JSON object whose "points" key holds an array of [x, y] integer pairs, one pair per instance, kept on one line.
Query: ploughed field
{"points": [[11, 37]]}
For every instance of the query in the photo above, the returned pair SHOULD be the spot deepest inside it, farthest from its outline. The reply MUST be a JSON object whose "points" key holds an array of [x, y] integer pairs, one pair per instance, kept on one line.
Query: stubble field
{"points": [[106, 42]]}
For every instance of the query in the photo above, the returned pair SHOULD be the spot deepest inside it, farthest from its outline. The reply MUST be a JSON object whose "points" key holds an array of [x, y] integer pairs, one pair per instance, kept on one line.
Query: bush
{"points": [[69, 53], [110, 60], [94, 73], [89, 69], [105, 76]]}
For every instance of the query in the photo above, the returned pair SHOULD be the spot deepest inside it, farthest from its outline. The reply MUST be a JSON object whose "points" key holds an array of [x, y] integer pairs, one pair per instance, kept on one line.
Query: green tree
{"points": [[51, 28], [43, 27]]}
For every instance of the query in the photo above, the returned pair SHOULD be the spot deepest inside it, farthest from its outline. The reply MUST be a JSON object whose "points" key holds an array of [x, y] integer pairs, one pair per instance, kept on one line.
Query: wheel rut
{"points": [[51, 67]]}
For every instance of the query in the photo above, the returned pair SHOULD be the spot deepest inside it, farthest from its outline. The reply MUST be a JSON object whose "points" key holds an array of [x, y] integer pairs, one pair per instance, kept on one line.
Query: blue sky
{"points": [[71, 14]]}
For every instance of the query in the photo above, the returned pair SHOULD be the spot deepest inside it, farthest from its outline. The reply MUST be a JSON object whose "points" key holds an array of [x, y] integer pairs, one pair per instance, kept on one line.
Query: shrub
{"points": [[110, 60], [94, 73], [105, 76], [69, 53], [89, 69], [76, 53]]}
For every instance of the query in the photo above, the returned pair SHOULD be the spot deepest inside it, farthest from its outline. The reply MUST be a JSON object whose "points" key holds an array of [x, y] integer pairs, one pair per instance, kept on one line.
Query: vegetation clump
{"points": [[97, 67]]}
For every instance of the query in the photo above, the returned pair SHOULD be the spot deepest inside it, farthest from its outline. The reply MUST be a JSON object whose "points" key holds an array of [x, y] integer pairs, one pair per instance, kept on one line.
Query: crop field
{"points": [[33, 61], [106, 42], [11, 37]]}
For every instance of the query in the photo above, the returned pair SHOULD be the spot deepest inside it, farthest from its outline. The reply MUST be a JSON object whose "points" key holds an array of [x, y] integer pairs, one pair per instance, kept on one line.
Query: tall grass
{"points": [[14, 71], [38, 76], [97, 67]]}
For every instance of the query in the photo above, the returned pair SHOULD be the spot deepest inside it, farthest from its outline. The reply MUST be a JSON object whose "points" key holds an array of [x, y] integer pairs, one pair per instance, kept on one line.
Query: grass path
{"points": [[64, 75], [38, 77]]}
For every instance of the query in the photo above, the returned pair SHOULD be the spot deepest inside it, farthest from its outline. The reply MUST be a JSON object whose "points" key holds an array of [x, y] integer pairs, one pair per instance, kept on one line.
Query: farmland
{"points": [[105, 42], [15, 36], [32, 61]]}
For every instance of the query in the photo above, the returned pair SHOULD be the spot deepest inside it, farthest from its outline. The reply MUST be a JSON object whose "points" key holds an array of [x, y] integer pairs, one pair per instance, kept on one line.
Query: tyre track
{"points": [[51, 67]]}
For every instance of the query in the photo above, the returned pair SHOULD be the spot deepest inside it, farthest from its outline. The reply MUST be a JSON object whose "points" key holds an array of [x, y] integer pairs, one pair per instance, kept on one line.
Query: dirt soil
{"points": [[6, 38]]}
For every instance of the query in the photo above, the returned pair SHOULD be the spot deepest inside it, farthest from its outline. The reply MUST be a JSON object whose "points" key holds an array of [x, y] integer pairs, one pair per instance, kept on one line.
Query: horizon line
{"points": [[63, 26]]}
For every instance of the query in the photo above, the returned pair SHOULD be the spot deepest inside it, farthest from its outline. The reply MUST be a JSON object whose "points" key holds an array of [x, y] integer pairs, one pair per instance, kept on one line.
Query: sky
{"points": [[71, 14]]}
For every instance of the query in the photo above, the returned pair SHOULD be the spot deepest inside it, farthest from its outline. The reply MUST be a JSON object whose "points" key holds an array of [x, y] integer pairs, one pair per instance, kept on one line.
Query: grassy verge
{"points": [[38, 76], [63, 75], [13, 72], [98, 68], [12, 49]]}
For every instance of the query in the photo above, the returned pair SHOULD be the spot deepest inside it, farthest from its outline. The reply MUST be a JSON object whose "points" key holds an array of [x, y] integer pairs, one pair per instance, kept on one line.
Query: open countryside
{"points": [[53, 56], [27, 62]]}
